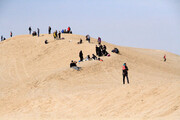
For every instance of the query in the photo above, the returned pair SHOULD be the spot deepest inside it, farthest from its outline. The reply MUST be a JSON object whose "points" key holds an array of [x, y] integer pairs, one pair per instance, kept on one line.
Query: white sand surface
{"points": [[36, 82]]}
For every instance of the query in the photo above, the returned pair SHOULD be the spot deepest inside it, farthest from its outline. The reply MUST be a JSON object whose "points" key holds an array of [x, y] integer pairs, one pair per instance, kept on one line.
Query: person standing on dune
{"points": [[38, 31], [164, 58], [11, 34], [49, 30], [125, 73], [30, 30], [59, 34], [81, 55]]}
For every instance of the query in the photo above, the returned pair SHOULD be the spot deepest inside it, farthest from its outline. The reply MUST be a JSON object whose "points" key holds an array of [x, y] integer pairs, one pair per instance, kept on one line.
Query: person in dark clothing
{"points": [[97, 53], [46, 42], [100, 50], [80, 42], [164, 58], [104, 50], [38, 31], [11, 34], [34, 33], [56, 33], [125, 73], [49, 30], [4, 38], [94, 57], [59, 34], [30, 30], [73, 65], [81, 55], [1, 38]]}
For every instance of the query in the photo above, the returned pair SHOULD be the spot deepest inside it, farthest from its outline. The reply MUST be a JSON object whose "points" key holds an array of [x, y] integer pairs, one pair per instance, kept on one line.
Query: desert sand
{"points": [[36, 82]]}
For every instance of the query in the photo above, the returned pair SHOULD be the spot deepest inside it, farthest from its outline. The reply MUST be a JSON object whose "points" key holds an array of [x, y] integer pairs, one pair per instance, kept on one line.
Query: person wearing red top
{"points": [[165, 58], [68, 29]]}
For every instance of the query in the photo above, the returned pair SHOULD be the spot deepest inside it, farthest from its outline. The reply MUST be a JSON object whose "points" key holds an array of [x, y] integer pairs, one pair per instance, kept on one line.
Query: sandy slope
{"points": [[36, 82]]}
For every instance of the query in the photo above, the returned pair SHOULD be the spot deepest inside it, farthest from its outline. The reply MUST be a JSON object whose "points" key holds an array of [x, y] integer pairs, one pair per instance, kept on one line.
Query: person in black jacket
{"points": [[81, 55], [49, 30], [30, 30], [125, 73], [74, 66], [38, 31]]}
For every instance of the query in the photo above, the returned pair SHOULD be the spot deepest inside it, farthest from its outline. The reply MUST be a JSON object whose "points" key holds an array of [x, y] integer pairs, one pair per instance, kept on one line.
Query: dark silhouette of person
{"points": [[46, 41], [74, 66], [1, 38], [81, 55], [164, 58], [38, 31], [59, 34], [94, 57], [11, 34], [97, 50], [125, 73], [80, 42], [30, 30], [49, 30]]}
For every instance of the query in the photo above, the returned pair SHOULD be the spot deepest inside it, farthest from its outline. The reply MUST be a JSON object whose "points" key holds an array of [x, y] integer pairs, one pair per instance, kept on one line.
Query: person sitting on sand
{"points": [[46, 42], [87, 58], [115, 50], [94, 57], [74, 66], [34, 33], [80, 42]]}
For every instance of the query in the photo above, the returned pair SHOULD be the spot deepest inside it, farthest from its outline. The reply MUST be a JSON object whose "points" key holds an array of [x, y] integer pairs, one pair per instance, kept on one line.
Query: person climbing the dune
{"points": [[125, 73], [164, 58], [81, 55]]}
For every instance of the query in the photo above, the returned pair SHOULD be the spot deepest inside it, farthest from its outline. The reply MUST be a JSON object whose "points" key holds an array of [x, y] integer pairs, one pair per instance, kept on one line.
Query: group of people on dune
{"points": [[100, 49]]}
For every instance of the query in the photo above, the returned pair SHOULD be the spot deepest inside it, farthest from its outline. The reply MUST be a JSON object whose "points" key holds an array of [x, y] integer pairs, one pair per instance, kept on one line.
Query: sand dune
{"points": [[36, 82]]}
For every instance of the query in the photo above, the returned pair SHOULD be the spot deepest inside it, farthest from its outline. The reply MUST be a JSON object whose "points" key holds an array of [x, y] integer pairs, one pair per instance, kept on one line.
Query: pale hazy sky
{"points": [[151, 24]]}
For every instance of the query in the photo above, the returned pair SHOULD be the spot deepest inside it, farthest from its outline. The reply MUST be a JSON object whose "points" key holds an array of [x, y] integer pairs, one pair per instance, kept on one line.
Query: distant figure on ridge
{"points": [[125, 73], [38, 31], [49, 30], [30, 30], [59, 34], [11, 34], [1, 38], [88, 38], [164, 58], [99, 40], [81, 55], [68, 30]]}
